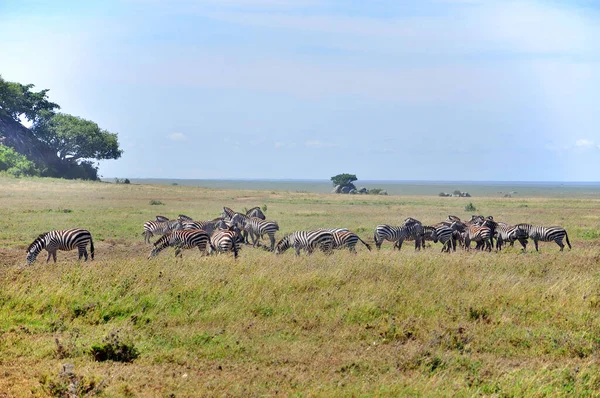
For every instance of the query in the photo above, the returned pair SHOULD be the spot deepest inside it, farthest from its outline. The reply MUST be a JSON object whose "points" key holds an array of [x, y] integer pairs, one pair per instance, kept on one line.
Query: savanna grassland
{"points": [[384, 323]]}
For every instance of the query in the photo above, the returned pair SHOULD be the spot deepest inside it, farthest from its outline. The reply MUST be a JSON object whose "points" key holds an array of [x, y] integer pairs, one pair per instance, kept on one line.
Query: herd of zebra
{"points": [[231, 229]]}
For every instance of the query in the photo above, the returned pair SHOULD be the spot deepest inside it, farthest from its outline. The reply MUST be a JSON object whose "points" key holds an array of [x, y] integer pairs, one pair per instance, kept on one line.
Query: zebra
{"points": [[183, 217], [347, 239], [307, 240], [444, 234], [545, 234], [224, 240], [398, 235], [256, 227], [477, 233], [256, 212], [66, 239], [227, 214], [509, 233], [152, 228], [186, 239], [209, 226]]}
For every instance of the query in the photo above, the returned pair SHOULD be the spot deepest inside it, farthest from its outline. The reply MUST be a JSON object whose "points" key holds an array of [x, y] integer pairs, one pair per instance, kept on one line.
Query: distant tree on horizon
{"points": [[343, 179]]}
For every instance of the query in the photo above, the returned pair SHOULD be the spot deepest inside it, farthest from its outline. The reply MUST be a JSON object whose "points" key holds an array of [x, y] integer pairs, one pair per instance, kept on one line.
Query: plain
{"points": [[376, 323]]}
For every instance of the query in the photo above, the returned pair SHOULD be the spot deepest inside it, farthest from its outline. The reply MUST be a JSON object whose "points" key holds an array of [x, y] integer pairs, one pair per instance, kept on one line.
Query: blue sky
{"points": [[391, 90]]}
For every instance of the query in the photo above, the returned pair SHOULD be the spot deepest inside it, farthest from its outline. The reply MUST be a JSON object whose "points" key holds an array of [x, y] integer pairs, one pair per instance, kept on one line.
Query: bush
{"points": [[16, 164], [122, 181], [156, 203], [264, 207], [375, 191], [470, 207], [113, 349]]}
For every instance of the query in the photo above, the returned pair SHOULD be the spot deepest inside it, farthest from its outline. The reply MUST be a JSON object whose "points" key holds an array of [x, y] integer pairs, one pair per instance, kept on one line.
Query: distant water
{"points": [[422, 188]]}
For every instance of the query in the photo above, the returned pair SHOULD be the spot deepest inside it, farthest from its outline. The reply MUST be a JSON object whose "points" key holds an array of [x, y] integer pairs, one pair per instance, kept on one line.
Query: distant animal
{"points": [[187, 239], [66, 239], [309, 241]]}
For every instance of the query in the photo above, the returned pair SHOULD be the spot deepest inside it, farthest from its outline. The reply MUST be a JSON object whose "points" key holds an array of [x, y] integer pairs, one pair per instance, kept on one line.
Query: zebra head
{"points": [[284, 244], [35, 248], [239, 220], [227, 213]]}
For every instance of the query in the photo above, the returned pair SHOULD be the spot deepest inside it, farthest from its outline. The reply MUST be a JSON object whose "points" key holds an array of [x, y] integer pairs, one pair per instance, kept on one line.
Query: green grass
{"points": [[376, 323]]}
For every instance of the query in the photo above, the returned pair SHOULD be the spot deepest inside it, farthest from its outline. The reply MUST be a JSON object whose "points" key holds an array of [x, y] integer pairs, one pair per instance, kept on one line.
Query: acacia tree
{"points": [[75, 139], [18, 100], [343, 179]]}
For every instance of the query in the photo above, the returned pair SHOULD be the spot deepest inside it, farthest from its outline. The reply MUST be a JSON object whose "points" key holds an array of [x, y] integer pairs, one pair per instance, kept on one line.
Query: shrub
{"points": [[470, 207], [264, 207], [156, 202], [113, 349], [16, 164], [375, 191]]}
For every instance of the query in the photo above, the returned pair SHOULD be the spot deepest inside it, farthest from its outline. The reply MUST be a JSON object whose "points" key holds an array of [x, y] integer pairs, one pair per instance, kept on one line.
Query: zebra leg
{"points": [[559, 242], [85, 254], [523, 243], [399, 244], [272, 237], [535, 242], [49, 255], [54, 256], [178, 252]]}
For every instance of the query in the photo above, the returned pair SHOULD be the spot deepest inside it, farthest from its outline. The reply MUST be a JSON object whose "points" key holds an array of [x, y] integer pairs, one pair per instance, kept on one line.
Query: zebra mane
{"points": [[230, 213], [183, 217], [36, 240], [162, 218]]}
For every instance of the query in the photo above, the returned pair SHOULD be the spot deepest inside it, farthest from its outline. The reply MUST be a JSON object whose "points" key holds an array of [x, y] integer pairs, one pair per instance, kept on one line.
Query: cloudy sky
{"points": [[385, 89]]}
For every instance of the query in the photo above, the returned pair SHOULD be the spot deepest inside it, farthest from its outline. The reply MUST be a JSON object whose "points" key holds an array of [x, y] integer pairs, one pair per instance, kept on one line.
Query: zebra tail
{"points": [[567, 239], [365, 243], [92, 247]]}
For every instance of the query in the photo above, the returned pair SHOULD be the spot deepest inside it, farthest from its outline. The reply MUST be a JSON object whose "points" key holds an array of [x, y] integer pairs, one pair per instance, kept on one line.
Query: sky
{"points": [[306, 89]]}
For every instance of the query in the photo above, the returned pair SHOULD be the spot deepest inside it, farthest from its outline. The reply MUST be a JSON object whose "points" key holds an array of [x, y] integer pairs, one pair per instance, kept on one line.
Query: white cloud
{"points": [[177, 137], [320, 144]]}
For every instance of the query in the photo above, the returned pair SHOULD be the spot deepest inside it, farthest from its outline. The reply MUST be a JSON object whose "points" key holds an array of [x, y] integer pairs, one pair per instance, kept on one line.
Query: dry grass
{"points": [[376, 323]]}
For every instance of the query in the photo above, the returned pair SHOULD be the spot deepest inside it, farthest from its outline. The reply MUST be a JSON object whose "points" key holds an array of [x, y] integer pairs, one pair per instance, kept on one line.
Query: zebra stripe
{"points": [[545, 234], [67, 239], [347, 239], [209, 226], [509, 233], [187, 239], [152, 228], [444, 234], [478, 234], [306, 240], [223, 241], [256, 228], [398, 235], [256, 212]]}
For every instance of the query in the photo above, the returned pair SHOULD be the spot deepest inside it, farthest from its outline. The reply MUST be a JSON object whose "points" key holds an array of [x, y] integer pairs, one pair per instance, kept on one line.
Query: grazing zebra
{"points": [[256, 212], [152, 228], [256, 227], [347, 239], [307, 240], [224, 240], [444, 234], [67, 239], [509, 233], [187, 239], [545, 234], [398, 235]]}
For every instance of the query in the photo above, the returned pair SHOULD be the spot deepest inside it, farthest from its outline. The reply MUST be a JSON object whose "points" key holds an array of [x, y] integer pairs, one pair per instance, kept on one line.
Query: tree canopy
{"points": [[77, 142], [343, 179], [74, 138]]}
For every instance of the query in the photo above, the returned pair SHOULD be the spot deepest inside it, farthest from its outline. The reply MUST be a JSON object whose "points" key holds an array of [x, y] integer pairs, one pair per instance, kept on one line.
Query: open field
{"points": [[381, 323]]}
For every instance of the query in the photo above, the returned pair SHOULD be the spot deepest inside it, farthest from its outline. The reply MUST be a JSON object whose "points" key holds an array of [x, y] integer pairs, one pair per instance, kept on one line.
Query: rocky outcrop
{"points": [[22, 140]]}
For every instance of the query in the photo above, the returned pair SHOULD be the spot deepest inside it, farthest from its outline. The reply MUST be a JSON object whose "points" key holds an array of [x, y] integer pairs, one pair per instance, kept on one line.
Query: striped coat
{"points": [[224, 240], [347, 240], [66, 239], [187, 239], [152, 228], [545, 234], [256, 227], [308, 241], [398, 234]]}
